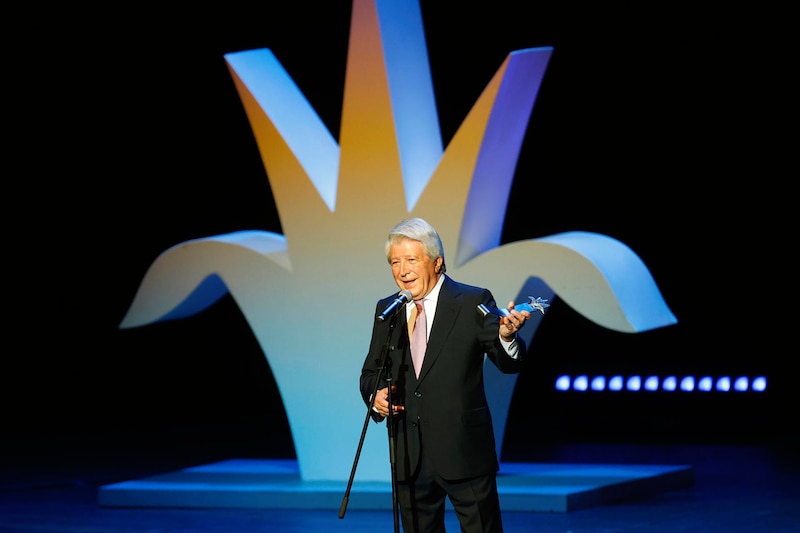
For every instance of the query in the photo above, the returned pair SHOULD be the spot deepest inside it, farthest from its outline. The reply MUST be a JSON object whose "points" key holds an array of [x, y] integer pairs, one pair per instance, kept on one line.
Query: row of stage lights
{"points": [[583, 383]]}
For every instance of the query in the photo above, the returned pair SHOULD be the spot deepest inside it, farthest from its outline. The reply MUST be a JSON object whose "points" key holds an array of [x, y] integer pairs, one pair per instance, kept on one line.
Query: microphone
{"points": [[403, 298]]}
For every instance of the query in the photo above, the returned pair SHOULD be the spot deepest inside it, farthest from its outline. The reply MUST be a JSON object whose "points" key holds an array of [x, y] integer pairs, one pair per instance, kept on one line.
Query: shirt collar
{"points": [[431, 299]]}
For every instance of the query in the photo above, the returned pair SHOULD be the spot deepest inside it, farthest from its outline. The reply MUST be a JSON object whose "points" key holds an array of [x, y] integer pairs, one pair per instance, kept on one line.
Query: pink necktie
{"points": [[419, 337]]}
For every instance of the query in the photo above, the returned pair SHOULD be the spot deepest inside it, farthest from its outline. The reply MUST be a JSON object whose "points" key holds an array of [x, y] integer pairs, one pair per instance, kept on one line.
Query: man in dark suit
{"points": [[443, 433]]}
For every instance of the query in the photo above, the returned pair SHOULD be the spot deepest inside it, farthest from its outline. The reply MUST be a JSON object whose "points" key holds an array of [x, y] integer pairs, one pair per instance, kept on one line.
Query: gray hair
{"points": [[420, 230]]}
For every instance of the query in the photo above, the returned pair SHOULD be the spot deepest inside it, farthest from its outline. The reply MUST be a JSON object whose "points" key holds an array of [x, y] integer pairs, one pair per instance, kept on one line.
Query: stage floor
{"points": [[276, 484]]}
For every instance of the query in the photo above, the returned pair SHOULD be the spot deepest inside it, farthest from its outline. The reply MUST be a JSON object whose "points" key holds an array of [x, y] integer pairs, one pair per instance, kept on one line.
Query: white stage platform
{"points": [[276, 484]]}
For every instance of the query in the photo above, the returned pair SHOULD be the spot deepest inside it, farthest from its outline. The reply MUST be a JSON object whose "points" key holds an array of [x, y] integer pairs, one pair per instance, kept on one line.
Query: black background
{"points": [[663, 128]]}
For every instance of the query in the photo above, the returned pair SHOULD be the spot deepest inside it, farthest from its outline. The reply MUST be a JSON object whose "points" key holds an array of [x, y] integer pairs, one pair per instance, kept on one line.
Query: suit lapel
{"points": [[448, 308]]}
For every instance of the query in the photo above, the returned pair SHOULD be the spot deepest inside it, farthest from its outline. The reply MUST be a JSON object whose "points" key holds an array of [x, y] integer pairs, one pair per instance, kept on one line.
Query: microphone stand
{"points": [[384, 366]]}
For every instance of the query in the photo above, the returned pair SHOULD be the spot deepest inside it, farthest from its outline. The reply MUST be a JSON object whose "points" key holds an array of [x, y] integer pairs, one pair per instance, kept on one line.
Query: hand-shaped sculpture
{"points": [[336, 201]]}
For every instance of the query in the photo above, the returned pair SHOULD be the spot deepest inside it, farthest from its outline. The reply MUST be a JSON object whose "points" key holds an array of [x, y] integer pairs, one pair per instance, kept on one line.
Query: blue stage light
{"points": [[580, 383], [760, 384], [670, 383], [615, 383], [562, 383]]}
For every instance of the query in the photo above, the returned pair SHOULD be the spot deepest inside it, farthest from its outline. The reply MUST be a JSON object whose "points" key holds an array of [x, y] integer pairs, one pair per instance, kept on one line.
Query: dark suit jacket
{"points": [[446, 414]]}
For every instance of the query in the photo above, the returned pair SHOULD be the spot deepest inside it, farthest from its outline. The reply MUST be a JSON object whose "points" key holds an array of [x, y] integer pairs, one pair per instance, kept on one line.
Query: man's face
{"points": [[412, 269]]}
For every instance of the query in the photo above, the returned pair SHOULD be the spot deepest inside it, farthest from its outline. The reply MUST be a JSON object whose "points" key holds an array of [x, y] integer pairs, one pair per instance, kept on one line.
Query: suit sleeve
{"points": [[370, 370], [489, 326]]}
